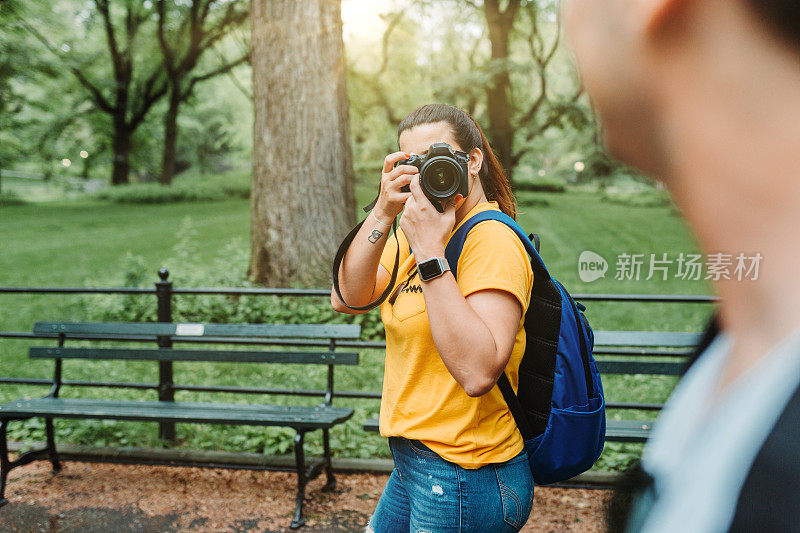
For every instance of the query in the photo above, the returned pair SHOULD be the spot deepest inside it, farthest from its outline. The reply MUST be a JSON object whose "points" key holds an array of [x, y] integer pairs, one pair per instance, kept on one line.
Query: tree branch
{"points": [[154, 88], [222, 69], [166, 51], [208, 37], [116, 59], [542, 59], [393, 22]]}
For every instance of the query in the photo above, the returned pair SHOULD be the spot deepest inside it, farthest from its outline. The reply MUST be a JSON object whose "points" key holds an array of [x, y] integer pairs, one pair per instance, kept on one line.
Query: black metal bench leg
{"points": [[330, 484], [5, 464], [300, 461], [51, 445]]}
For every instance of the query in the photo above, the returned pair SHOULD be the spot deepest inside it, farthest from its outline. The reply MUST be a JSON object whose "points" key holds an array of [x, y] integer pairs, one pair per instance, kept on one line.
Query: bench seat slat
{"points": [[338, 358], [311, 331], [243, 414], [628, 430]]}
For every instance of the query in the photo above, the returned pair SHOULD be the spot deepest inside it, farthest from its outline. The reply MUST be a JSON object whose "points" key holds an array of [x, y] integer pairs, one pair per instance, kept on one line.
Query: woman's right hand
{"points": [[391, 200]]}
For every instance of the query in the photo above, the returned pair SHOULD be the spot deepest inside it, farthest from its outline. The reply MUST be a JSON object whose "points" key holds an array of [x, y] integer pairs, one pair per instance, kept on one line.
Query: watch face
{"points": [[429, 269]]}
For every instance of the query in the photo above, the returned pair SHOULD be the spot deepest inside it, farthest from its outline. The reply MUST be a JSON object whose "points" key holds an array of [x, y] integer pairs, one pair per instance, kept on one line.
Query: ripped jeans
{"points": [[428, 493]]}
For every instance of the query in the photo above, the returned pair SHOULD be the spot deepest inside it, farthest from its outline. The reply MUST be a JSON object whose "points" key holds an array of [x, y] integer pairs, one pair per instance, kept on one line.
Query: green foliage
{"points": [[619, 456], [444, 57], [191, 188], [42, 44]]}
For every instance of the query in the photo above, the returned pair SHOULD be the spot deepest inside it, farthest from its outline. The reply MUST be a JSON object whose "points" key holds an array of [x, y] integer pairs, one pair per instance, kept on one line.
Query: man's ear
{"points": [[656, 15]]}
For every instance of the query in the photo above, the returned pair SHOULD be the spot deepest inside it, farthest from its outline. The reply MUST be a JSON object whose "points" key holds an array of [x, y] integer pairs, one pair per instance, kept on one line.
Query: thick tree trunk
{"points": [[497, 93], [170, 135], [121, 147], [303, 200]]}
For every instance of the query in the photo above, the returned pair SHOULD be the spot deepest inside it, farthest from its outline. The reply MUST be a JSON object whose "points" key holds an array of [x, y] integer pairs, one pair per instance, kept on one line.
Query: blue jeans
{"points": [[428, 493]]}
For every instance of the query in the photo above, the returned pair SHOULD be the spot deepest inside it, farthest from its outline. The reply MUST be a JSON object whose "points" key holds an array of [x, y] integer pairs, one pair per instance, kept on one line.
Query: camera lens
{"points": [[440, 178]]}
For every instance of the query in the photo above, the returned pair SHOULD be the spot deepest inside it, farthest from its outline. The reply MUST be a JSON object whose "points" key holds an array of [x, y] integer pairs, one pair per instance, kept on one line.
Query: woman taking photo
{"points": [[459, 459]]}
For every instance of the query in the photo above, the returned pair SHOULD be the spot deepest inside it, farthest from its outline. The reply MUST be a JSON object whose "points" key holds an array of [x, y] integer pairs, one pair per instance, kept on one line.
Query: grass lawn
{"points": [[82, 242]]}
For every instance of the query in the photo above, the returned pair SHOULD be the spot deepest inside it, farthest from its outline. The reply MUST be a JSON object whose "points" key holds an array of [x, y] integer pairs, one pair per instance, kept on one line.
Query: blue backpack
{"points": [[559, 406]]}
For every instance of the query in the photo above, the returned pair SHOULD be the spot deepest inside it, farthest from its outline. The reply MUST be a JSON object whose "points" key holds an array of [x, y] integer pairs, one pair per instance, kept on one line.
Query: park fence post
{"points": [[166, 392]]}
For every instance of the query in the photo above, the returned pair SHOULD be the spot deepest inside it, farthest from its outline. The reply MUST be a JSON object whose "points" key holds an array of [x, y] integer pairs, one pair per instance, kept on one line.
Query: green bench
{"points": [[301, 418], [632, 352]]}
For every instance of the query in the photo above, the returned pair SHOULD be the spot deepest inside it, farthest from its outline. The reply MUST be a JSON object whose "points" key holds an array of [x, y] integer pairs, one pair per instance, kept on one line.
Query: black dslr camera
{"points": [[443, 173]]}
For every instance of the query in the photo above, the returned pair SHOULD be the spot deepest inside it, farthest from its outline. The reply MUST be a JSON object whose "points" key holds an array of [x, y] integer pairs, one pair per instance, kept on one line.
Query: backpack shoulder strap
{"points": [[545, 305], [454, 246]]}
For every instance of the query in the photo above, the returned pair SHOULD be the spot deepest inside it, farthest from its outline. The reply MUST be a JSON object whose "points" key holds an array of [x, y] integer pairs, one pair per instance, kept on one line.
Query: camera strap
{"points": [[337, 261]]}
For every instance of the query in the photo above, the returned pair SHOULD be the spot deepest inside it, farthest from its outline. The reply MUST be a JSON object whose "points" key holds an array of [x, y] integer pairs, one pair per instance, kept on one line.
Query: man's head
{"points": [[635, 55]]}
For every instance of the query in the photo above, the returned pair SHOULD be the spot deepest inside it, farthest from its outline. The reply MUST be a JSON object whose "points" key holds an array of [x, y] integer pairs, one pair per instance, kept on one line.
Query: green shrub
{"points": [[193, 188], [541, 185], [531, 200], [10, 198], [636, 198]]}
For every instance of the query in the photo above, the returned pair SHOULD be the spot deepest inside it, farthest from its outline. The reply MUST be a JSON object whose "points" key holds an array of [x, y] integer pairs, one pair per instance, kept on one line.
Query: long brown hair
{"points": [[468, 135]]}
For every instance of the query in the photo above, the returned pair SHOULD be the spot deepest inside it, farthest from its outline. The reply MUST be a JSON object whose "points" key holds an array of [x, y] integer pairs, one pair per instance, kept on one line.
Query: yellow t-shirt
{"points": [[421, 399]]}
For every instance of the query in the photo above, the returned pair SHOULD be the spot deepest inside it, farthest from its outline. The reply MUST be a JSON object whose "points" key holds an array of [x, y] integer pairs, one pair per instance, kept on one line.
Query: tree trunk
{"points": [[170, 134], [121, 147], [302, 202], [497, 93]]}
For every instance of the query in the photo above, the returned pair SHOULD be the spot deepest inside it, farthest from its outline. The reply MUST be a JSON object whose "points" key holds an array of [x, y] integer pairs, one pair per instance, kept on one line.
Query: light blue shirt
{"points": [[700, 453]]}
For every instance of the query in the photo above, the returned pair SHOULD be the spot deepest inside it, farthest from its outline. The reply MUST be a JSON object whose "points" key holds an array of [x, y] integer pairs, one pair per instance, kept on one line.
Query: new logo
{"points": [[591, 266]]}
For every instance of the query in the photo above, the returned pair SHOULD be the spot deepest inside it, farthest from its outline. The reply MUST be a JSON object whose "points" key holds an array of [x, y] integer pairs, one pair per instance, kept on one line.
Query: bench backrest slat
{"points": [[664, 339], [310, 331], [668, 368], [135, 354]]}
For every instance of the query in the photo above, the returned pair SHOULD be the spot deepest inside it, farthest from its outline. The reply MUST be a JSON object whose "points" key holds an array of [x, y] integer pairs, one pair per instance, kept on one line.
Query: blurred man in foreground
{"points": [[705, 96]]}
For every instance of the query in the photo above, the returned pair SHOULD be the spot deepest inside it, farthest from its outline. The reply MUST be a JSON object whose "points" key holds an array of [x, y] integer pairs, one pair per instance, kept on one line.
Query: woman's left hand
{"points": [[427, 230]]}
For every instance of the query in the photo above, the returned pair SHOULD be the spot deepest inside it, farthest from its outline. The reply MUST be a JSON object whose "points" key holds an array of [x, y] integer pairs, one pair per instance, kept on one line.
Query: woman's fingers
{"points": [[391, 159], [400, 181], [399, 197], [416, 188], [391, 198], [402, 170]]}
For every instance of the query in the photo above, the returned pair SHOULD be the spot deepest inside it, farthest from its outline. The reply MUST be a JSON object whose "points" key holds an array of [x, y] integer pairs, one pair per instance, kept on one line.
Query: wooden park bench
{"points": [[632, 352], [301, 418]]}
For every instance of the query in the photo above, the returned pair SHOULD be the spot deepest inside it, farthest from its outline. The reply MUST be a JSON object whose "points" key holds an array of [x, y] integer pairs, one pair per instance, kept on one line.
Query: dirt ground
{"points": [[91, 497]]}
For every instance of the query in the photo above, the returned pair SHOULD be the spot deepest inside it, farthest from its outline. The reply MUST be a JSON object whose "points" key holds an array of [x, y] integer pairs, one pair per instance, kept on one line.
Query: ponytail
{"points": [[468, 135], [493, 178]]}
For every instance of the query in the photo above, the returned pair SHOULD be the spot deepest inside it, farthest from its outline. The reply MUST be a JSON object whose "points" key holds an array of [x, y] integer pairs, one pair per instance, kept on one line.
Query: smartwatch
{"points": [[432, 268]]}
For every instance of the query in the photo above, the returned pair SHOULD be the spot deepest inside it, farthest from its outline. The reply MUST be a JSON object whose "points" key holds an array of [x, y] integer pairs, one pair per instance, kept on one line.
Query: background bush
{"points": [[541, 185], [226, 270], [636, 198], [10, 198], [188, 188]]}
